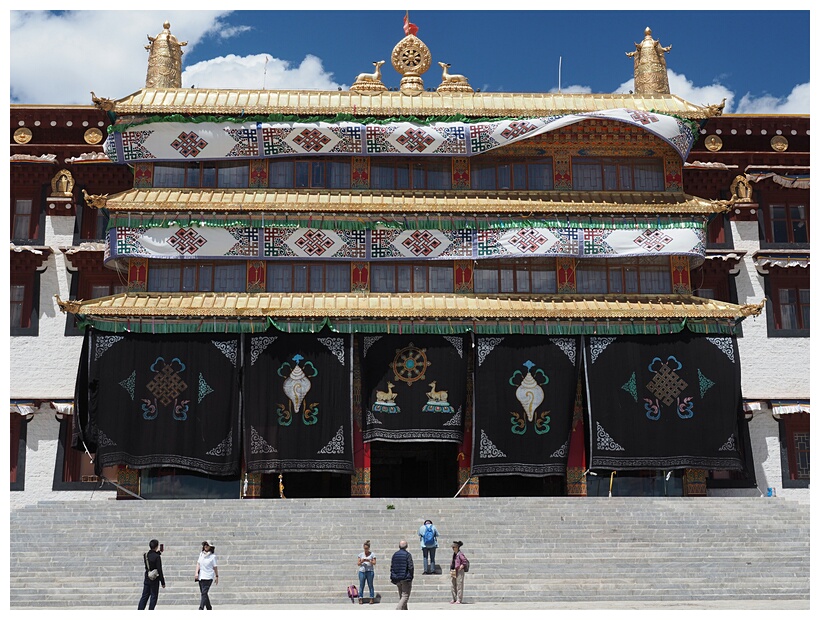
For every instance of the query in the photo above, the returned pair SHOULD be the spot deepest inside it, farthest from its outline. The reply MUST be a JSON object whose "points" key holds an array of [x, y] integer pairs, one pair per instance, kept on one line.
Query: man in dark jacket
{"points": [[401, 573], [150, 587]]}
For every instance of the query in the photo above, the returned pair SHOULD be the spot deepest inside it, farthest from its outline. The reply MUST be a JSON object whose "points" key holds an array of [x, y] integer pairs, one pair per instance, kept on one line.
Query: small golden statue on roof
{"points": [[411, 57], [62, 184], [370, 82], [164, 60], [650, 66], [452, 82]]}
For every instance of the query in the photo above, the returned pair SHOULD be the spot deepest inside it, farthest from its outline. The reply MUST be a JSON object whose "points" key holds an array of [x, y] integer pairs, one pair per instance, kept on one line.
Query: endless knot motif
{"points": [[645, 118], [653, 240], [415, 140], [187, 241], [314, 243], [528, 240], [421, 243], [246, 142], [516, 129], [311, 140], [666, 385], [189, 144], [167, 384]]}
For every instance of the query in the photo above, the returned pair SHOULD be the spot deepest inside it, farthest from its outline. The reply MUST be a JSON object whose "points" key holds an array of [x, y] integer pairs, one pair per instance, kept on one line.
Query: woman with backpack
{"points": [[366, 562], [458, 566], [428, 535]]}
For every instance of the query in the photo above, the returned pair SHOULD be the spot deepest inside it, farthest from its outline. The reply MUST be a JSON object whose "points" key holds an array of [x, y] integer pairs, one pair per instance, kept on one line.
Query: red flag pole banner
{"points": [[409, 29]]}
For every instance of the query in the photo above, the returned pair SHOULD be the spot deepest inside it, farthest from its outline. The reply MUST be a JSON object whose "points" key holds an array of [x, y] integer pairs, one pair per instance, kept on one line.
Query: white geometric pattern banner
{"points": [[189, 141], [288, 242]]}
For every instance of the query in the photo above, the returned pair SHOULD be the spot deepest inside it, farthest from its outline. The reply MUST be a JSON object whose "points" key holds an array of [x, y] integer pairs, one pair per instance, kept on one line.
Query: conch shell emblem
{"points": [[297, 384], [529, 392]]}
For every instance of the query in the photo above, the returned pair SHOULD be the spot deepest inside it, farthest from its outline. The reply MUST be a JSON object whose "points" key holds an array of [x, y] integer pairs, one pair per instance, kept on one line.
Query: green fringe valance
{"points": [[123, 125], [443, 223], [512, 327]]}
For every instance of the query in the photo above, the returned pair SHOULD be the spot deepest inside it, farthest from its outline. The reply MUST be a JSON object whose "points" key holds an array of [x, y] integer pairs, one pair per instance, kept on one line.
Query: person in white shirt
{"points": [[207, 573]]}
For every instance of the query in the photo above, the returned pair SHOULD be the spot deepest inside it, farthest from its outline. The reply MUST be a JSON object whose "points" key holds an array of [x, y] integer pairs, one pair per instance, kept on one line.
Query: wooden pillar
{"points": [[360, 480], [465, 449], [252, 487], [694, 483], [128, 479], [576, 463]]}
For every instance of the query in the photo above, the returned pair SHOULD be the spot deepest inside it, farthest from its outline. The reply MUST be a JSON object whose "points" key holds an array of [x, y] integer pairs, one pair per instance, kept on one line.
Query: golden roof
{"points": [[406, 202], [406, 306], [152, 101]]}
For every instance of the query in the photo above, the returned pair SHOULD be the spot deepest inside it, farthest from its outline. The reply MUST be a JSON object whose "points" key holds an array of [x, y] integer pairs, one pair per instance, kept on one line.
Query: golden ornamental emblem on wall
{"points": [[22, 135], [713, 143], [779, 143], [92, 136]]}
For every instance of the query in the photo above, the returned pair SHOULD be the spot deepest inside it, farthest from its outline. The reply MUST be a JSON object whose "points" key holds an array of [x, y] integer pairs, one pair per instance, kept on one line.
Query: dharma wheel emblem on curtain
{"points": [[296, 386], [166, 386], [530, 394], [410, 364]]}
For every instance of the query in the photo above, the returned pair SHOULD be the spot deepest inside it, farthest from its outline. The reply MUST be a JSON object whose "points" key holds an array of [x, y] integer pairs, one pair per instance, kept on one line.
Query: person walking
{"points": [[150, 587], [207, 573], [458, 566], [428, 536], [367, 563], [401, 573]]}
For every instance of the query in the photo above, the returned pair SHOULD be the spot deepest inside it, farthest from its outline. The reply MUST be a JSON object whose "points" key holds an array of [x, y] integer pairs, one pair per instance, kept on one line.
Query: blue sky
{"points": [[758, 60]]}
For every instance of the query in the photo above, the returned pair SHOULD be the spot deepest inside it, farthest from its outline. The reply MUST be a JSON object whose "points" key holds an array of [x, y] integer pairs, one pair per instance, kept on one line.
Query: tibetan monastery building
{"points": [[421, 290]]}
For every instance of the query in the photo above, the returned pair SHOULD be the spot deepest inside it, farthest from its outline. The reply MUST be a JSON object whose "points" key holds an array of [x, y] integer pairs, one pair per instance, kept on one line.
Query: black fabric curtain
{"points": [[165, 400], [663, 402], [297, 403], [414, 387], [524, 396]]}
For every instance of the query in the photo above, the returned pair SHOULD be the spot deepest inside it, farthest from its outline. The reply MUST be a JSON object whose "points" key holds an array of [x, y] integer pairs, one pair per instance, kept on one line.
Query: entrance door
{"points": [[413, 469]]}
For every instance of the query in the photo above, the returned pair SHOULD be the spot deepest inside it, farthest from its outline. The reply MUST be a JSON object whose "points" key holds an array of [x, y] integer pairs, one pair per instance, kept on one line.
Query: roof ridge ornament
{"points": [[650, 66], [411, 57], [164, 60]]}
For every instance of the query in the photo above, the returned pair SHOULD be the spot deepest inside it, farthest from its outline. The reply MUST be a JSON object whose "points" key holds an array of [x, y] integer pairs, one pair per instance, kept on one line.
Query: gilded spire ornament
{"points": [[411, 57], [650, 66], [164, 60]]}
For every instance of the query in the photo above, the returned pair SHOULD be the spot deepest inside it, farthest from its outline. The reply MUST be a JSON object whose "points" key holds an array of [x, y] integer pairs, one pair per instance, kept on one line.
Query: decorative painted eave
{"points": [[191, 101], [764, 259], [406, 307], [444, 202]]}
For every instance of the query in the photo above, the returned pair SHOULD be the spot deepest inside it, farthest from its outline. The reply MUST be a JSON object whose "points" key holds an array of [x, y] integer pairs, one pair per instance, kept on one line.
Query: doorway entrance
{"points": [[413, 469]]}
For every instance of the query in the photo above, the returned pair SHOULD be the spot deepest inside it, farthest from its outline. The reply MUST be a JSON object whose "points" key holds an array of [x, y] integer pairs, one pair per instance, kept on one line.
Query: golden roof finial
{"points": [[650, 66], [411, 57], [164, 60]]}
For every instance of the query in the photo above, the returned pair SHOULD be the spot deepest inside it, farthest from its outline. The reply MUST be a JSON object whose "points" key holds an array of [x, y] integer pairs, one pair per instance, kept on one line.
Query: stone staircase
{"points": [[522, 550]]}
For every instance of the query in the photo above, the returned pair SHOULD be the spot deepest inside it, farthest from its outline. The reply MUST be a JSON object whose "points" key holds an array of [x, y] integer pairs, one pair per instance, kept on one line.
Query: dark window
{"points": [[530, 175], [93, 286], [308, 277], [197, 276], [614, 174], [206, 174], [324, 173], [17, 449], [24, 293], [637, 276], [789, 302], [785, 223], [23, 219], [410, 278], [794, 446], [515, 276], [74, 469]]}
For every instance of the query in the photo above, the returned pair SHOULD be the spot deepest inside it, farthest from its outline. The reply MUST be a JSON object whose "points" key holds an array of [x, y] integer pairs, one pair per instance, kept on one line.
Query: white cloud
{"points": [[797, 102], [61, 58], [259, 71], [572, 89], [684, 88]]}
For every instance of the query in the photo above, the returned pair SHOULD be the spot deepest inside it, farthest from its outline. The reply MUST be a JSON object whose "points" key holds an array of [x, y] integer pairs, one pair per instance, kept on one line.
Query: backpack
{"points": [[429, 537], [352, 593], [466, 562]]}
